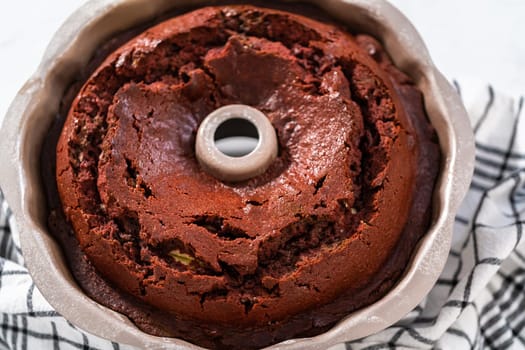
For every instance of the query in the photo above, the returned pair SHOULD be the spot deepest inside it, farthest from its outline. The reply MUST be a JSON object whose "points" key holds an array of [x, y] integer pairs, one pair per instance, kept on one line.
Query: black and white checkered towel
{"points": [[478, 302]]}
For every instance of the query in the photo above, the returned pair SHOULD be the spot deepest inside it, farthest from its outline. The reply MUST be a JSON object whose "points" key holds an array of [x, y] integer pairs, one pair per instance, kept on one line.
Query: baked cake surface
{"points": [[327, 229]]}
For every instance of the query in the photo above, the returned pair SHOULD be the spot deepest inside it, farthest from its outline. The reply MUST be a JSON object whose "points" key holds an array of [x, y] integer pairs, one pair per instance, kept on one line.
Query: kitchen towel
{"points": [[477, 303]]}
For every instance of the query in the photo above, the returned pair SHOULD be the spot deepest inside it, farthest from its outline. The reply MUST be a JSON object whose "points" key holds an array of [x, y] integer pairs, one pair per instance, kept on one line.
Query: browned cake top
{"points": [[325, 220]]}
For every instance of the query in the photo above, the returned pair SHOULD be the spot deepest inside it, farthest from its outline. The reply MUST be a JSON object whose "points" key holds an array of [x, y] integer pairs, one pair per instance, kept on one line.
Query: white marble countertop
{"points": [[481, 40]]}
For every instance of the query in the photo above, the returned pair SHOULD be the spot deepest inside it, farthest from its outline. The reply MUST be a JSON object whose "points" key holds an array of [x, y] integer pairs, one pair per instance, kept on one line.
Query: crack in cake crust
{"points": [[278, 255]]}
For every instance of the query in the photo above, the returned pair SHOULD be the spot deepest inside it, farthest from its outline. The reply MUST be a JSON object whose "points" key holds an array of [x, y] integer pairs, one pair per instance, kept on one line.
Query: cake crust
{"points": [[327, 229]]}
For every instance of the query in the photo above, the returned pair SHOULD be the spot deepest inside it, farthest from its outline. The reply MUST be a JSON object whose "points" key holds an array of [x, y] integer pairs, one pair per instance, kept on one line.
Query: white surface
{"points": [[468, 39]]}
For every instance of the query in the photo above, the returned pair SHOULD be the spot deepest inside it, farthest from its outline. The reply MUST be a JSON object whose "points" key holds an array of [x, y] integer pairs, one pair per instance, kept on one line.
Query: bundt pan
{"points": [[36, 105]]}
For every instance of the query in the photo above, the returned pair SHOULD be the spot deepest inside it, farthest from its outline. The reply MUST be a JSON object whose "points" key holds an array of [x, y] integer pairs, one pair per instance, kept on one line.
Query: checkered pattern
{"points": [[27, 321], [478, 302]]}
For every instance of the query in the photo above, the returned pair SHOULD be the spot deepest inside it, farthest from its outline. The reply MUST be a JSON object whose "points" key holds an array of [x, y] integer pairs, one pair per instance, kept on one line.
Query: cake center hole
{"points": [[236, 137]]}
